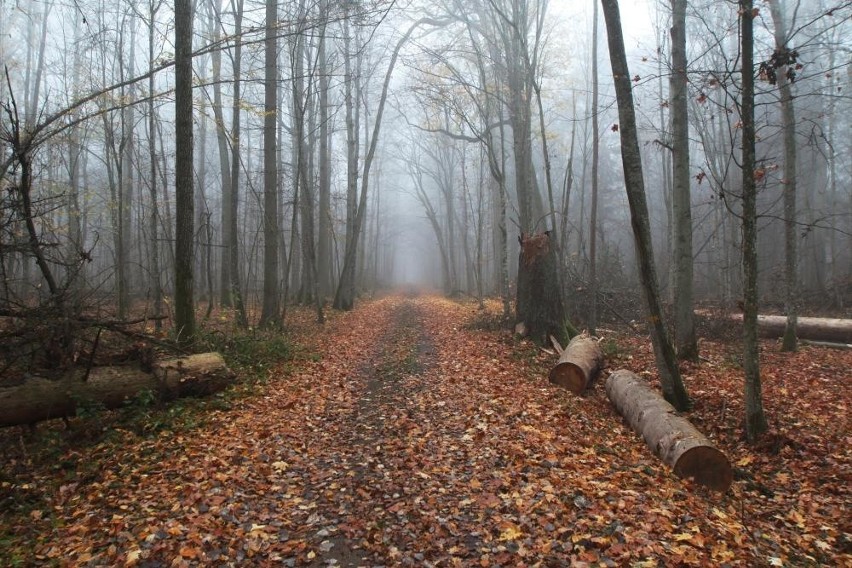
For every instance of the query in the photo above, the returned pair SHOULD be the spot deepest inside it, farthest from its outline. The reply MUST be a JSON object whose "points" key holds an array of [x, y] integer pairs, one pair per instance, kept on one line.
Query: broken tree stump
{"points": [[38, 398], [671, 437], [579, 364]]}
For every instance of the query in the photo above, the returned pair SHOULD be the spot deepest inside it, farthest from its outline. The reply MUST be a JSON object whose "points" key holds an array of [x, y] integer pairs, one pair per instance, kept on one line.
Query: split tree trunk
{"points": [[818, 329], [40, 399], [578, 365], [672, 438], [539, 299]]}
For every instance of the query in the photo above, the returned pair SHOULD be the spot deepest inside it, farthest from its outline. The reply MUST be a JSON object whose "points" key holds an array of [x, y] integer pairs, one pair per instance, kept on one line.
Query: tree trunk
{"points": [[788, 118], [685, 341], [270, 312], [344, 297], [184, 203], [593, 216], [755, 418], [539, 305], [324, 264], [153, 218], [671, 437], [578, 365], [236, 164], [111, 387], [213, 22], [673, 387]]}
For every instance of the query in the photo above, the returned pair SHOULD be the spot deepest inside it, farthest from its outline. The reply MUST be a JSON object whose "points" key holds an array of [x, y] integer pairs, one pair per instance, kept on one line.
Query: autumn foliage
{"points": [[404, 435]]}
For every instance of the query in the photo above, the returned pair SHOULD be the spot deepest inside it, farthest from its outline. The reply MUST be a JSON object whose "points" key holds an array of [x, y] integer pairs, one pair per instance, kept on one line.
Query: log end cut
{"points": [[196, 375], [579, 364], [569, 376], [707, 466], [671, 437]]}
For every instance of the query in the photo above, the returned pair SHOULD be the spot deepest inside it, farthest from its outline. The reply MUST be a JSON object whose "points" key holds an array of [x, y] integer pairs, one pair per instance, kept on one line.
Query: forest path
{"points": [[403, 435]]}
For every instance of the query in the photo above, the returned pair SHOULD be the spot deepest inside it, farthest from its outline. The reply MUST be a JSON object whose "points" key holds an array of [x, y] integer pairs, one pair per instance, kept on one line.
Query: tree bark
{"points": [[671, 437], [324, 261], [236, 163], [672, 384], [685, 341], [593, 216], [214, 22], [154, 215], [270, 312], [111, 387], [755, 418], [184, 203], [539, 305], [788, 118], [578, 365]]}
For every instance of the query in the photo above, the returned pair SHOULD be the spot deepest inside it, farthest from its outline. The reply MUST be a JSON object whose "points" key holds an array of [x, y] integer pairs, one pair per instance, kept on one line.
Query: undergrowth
{"points": [[251, 354]]}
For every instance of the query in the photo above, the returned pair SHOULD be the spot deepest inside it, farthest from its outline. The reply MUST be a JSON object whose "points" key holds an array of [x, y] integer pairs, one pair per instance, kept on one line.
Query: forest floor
{"points": [[414, 432]]}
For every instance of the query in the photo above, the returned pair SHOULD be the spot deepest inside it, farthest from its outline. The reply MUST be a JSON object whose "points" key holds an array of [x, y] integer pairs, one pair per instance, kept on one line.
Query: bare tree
{"points": [[755, 419], [782, 64], [184, 202], [670, 379], [345, 297], [685, 340], [270, 311], [593, 215]]}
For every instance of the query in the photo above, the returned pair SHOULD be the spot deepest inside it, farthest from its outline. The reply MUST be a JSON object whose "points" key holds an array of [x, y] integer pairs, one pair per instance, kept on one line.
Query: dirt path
{"points": [[410, 439]]}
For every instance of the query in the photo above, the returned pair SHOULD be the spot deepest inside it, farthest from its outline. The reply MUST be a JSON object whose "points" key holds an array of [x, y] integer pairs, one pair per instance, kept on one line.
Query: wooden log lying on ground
{"points": [[834, 330], [578, 364], [671, 437], [828, 344], [38, 398]]}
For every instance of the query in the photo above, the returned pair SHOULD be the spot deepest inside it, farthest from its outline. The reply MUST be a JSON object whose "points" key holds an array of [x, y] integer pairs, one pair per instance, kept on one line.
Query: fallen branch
{"points": [[39, 398], [834, 330]]}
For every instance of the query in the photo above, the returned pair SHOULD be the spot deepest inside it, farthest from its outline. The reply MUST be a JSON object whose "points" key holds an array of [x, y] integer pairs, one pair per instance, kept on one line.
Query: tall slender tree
{"points": [[755, 419], [184, 202], [153, 215], [685, 340], [593, 215], [784, 73], [673, 388], [236, 164], [270, 311]]}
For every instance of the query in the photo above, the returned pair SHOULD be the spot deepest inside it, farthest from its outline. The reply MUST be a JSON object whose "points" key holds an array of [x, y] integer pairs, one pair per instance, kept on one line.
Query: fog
{"points": [[427, 183]]}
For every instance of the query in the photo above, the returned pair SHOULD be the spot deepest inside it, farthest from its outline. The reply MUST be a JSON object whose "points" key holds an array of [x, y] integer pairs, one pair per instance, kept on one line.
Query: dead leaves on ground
{"points": [[416, 441]]}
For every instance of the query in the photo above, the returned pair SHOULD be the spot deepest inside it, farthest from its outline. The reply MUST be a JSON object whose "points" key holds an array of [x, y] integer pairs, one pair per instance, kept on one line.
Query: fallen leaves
{"points": [[415, 440]]}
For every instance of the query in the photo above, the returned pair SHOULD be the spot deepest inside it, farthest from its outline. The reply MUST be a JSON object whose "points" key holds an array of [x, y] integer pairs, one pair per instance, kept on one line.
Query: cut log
{"points": [[834, 330], [828, 344], [38, 398], [579, 364], [671, 437]]}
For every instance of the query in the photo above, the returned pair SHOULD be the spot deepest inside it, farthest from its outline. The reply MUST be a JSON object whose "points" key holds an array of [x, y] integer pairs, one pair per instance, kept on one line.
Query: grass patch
{"points": [[249, 351]]}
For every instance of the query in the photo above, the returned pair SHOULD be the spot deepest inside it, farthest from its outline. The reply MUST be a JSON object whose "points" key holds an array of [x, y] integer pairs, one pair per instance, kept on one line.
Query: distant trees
{"points": [[341, 130]]}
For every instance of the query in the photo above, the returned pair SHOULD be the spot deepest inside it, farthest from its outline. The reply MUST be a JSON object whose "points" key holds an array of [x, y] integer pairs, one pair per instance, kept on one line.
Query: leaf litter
{"points": [[415, 440]]}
